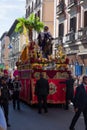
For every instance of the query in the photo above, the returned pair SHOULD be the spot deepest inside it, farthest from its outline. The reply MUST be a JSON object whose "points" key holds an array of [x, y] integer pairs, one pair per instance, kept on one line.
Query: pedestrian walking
{"points": [[16, 92], [80, 103], [10, 86], [5, 95], [42, 91], [69, 91]]}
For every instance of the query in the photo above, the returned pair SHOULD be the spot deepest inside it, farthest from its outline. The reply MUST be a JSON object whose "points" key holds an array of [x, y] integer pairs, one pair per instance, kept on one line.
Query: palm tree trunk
{"points": [[30, 34]]}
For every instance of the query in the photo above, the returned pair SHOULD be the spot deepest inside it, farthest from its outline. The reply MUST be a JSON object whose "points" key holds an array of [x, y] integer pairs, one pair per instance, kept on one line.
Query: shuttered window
{"points": [[61, 30], [85, 19], [73, 24]]}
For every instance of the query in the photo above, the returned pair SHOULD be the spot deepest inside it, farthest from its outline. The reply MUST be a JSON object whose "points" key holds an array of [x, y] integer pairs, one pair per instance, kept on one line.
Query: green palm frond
{"points": [[31, 19], [19, 28], [33, 22], [39, 26], [20, 25]]}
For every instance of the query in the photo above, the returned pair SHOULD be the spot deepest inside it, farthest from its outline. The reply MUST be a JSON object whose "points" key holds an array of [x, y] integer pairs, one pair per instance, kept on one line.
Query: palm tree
{"points": [[34, 23], [26, 26]]}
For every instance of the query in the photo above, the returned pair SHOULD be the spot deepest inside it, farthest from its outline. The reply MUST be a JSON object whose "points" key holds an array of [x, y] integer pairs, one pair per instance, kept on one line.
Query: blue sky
{"points": [[9, 11]]}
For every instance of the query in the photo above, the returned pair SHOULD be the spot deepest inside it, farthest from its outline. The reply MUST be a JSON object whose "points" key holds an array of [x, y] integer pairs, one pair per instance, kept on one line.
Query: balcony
{"points": [[72, 3], [58, 41], [60, 8], [78, 35], [84, 35], [70, 37]]}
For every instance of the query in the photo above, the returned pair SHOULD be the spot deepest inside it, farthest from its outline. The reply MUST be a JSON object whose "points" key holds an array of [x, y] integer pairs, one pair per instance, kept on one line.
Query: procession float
{"points": [[32, 62]]}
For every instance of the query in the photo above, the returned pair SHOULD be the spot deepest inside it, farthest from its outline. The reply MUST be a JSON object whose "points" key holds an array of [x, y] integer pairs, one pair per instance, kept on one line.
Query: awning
{"points": [[82, 53]]}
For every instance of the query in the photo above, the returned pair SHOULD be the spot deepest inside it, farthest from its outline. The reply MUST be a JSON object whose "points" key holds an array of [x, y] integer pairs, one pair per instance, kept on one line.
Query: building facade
{"points": [[44, 9], [72, 30], [4, 50], [14, 45]]}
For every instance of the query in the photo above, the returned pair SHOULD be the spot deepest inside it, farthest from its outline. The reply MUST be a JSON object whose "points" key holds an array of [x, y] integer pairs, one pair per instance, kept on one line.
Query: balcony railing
{"points": [[84, 34], [72, 3], [60, 8], [70, 37], [58, 41], [78, 35]]}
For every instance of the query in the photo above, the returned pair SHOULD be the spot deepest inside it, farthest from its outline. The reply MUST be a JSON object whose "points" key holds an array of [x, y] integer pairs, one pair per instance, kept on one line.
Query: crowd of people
{"points": [[76, 92], [9, 90]]}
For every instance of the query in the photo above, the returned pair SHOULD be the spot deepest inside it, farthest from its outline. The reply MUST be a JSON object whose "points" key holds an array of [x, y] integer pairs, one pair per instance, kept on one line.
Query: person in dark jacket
{"points": [[42, 91], [69, 91], [5, 95], [16, 93], [10, 86], [80, 103]]}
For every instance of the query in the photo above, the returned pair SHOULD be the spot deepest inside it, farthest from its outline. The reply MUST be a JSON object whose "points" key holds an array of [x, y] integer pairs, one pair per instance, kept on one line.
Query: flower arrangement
{"points": [[60, 61], [36, 66]]}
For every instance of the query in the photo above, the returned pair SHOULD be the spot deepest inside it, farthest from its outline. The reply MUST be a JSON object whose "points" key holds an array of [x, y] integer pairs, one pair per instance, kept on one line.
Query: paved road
{"points": [[29, 119]]}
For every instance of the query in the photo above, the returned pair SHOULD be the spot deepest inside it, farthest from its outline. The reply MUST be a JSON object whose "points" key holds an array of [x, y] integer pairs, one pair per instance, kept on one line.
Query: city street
{"points": [[29, 119], [43, 54]]}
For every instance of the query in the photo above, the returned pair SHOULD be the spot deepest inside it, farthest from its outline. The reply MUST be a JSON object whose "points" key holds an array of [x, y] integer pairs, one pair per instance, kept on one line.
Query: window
{"points": [[73, 24], [28, 10], [85, 19], [38, 13], [61, 30]]}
